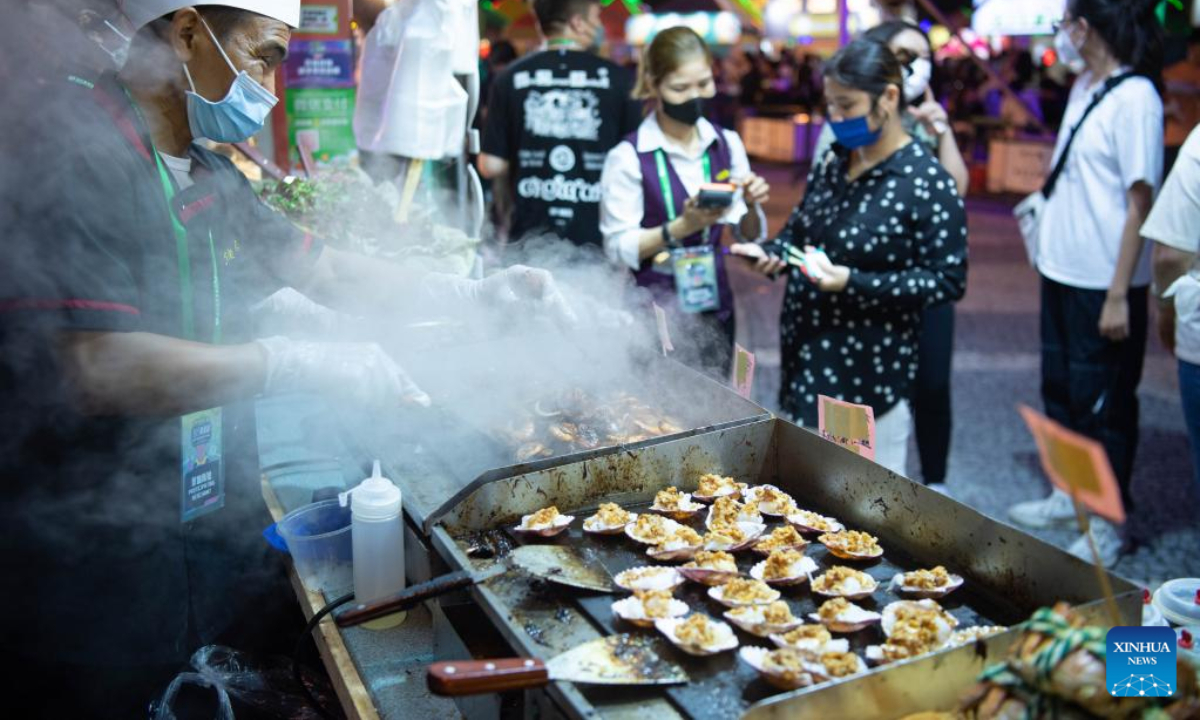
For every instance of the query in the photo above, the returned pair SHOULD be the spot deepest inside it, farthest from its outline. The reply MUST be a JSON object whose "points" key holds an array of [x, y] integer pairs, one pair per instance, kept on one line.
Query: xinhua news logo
{"points": [[1140, 662]]}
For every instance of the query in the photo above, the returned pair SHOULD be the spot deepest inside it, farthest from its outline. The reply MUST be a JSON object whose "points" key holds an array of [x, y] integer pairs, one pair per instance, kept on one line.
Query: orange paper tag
{"points": [[1076, 464], [849, 425], [743, 371]]}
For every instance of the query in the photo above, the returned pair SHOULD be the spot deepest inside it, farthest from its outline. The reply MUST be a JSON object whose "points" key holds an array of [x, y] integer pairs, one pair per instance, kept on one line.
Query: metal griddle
{"points": [[1008, 573]]}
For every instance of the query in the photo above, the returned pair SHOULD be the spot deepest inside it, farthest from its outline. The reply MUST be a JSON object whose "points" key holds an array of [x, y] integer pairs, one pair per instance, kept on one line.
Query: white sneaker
{"points": [[940, 488], [1057, 510], [1109, 543]]}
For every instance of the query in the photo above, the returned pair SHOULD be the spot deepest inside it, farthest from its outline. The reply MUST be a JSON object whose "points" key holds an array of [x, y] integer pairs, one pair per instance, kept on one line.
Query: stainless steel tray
{"points": [[1008, 573]]}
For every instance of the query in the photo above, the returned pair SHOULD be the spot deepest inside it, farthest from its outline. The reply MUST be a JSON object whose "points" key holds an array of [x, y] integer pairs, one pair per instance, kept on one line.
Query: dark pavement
{"points": [[993, 459]]}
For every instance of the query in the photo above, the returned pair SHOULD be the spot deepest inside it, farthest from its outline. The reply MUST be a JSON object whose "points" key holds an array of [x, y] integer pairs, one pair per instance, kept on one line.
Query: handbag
{"points": [[1029, 211]]}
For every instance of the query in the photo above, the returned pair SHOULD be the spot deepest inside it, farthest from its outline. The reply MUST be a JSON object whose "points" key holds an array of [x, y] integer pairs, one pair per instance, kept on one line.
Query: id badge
{"points": [[202, 476], [696, 279]]}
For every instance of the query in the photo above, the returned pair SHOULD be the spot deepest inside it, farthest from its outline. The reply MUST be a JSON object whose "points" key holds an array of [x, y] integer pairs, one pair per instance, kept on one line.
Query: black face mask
{"points": [[688, 113]]}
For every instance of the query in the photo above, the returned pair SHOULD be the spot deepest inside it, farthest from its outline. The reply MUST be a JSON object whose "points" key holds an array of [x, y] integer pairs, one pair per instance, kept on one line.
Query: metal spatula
{"points": [[557, 564], [563, 565], [615, 660]]}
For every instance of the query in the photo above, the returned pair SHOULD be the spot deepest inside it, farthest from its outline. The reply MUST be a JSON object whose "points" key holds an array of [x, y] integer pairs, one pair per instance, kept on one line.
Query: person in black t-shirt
{"points": [[552, 118]]}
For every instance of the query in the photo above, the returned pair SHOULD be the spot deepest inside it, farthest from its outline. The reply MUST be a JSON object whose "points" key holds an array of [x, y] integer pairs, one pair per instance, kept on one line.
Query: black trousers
{"points": [[1089, 383], [931, 394]]}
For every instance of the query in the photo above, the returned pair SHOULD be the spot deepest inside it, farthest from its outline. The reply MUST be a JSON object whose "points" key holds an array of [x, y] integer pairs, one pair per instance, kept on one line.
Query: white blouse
{"points": [[621, 202]]}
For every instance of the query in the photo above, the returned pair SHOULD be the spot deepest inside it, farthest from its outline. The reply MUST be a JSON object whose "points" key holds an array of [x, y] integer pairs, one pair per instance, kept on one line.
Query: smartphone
{"points": [[715, 195]]}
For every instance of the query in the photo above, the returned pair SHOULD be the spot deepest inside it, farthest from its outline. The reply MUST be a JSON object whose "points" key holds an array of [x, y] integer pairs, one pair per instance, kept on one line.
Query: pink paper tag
{"points": [[663, 335], [849, 425], [743, 371], [1077, 465]]}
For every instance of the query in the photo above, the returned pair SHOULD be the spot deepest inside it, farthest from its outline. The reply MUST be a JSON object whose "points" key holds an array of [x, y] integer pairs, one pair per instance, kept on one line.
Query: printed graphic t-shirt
{"points": [[554, 115]]}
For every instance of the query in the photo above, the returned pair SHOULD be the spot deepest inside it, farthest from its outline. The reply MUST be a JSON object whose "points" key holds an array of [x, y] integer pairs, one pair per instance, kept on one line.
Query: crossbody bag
{"points": [[1030, 210]]}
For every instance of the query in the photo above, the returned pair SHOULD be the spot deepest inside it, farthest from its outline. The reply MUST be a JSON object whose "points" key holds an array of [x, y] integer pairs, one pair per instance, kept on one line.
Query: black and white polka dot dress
{"points": [[902, 230]]}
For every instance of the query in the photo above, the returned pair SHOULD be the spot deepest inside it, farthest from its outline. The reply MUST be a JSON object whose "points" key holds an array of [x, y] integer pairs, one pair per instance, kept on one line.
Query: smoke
{"points": [[83, 489]]}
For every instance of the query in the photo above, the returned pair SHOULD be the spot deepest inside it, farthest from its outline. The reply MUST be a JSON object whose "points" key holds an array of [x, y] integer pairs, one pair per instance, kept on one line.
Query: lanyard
{"points": [[184, 260], [664, 179]]}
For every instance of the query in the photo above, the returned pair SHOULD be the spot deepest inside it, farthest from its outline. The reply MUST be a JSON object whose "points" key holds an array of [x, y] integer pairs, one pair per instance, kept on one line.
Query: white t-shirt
{"points": [[1120, 144], [622, 206], [1175, 222]]}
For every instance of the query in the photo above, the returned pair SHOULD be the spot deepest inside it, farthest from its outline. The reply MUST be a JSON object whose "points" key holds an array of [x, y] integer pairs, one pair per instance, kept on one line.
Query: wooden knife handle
{"points": [[408, 598], [474, 677]]}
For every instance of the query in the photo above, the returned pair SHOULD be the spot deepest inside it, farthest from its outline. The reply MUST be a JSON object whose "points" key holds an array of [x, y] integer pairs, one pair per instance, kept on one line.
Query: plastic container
{"points": [[1192, 653], [378, 538], [1179, 601], [318, 538]]}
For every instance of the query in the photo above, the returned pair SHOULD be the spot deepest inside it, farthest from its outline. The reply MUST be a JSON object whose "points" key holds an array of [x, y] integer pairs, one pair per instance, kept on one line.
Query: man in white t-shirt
{"points": [[1174, 226], [1094, 264]]}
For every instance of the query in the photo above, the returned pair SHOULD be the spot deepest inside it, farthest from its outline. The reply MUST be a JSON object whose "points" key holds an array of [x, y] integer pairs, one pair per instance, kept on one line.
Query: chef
{"points": [[132, 253]]}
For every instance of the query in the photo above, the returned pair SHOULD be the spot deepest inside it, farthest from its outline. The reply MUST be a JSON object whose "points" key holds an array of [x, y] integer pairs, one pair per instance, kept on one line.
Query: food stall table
{"points": [[376, 673]]}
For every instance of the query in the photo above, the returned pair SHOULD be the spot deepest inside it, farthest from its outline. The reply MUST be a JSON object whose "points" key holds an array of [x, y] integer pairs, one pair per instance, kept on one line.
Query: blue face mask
{"points": [[855, 133], [237, 116]]}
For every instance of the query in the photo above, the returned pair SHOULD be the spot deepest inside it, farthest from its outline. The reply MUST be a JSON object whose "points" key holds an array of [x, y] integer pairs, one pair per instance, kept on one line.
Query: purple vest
{"points": [[662, 286]]}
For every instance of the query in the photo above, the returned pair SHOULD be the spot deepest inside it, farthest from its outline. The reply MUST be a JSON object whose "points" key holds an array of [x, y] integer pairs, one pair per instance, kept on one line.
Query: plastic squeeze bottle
{"points": [[377, 533]]}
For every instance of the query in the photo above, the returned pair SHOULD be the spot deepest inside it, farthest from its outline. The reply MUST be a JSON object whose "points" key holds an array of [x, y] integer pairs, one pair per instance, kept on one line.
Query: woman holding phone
{"points": [[667, 193], [879, 235]]}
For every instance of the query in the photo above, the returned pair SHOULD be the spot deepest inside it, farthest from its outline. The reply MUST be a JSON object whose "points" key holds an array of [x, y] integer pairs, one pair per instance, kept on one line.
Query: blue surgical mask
{"points": [[235, 117], [855, 133]]}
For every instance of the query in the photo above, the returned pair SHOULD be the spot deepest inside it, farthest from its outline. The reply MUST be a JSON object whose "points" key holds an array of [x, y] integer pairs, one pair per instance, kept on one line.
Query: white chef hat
{"points": [[141, 12]]}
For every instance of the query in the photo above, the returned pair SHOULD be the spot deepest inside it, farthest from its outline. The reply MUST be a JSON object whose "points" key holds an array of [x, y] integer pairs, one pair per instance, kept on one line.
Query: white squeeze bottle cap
{"points": [[375, 498]]}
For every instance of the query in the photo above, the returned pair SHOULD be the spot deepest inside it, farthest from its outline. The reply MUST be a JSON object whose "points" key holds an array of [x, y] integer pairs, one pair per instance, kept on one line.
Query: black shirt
{"points": [[92, 505], [902, 230], [554, 115]]}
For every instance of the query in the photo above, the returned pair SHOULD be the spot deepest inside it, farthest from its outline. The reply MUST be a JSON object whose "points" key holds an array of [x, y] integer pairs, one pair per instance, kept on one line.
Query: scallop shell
{"points": [[945, 628], [591, 525], [679, 514], [632, 611], [718, 594], [812, 646], [862, 594], [863, 619], [752, 497], [956, 581], [756, 658], [663, 578], [706, 576], [726, 639], [820, 674], [807, 566], [734, 492], [767, 551], [760, 627], [561, 523], [753, 532], [631, 531], [747, 515], [845, 555], [673, 555], [796, 521]]}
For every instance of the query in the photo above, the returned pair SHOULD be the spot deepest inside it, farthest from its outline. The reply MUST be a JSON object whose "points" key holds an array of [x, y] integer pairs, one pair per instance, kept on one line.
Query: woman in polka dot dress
{"points": [[882, 233]]}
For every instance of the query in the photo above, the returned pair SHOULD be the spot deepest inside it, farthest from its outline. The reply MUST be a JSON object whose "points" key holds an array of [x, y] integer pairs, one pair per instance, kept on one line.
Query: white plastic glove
{"points": [[291, 313], [506, 289], [361, 372]]}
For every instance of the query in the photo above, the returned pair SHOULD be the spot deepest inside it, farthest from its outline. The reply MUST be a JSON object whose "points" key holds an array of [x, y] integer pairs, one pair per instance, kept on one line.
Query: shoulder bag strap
{"points": [[1112, 82]]}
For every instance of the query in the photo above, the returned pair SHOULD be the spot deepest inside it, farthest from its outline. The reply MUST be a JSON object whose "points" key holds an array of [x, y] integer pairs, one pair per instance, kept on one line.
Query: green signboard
{"points": [[323, 120]]}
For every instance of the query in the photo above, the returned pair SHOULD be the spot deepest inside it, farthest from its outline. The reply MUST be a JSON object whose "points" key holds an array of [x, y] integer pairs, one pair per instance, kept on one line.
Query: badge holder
{"points": [[696, 279], [203, 474]]}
